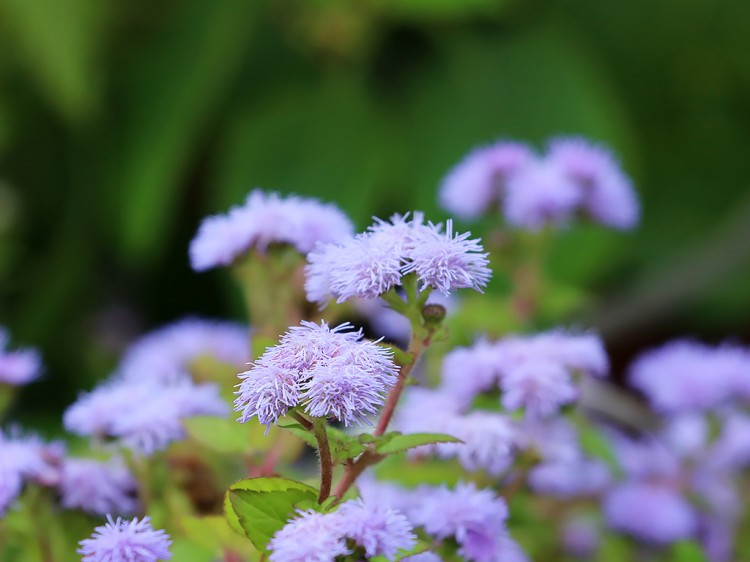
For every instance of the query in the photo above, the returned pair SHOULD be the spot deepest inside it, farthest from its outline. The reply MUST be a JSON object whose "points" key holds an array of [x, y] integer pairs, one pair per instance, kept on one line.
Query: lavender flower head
{"points": [[477, 183], [370, 264], [97, 487], [145, 416], [317, 537], [650, 512], [20, 366], [126, 541], [169, 352], [23, 458], [686, 376], [264, 219], [330, 372]]}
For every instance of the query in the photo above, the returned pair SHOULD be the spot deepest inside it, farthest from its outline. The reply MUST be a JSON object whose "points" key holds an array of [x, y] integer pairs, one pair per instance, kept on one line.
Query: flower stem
{"points": [[324, 452]]}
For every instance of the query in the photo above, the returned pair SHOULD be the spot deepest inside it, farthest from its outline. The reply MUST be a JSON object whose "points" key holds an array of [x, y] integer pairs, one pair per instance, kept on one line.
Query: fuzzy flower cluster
{"points": [[371, 528], [20, 366], [25, 459], [370, 264], [685, 376], [574, 176], [97, 487], [330, 372], [170, 352], [533, 373], [474, 518], [145, 416], [126, 541], [265, 219]]}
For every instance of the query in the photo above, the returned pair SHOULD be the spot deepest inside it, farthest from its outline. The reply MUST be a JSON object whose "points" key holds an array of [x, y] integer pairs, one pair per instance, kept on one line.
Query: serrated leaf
{"points": [[258, 507], [396, 443], [218, 434]]}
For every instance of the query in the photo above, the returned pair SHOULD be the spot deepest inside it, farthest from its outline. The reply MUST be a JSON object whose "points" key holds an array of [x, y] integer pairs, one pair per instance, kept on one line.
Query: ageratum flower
{"points": [[539, 387], [370, 264], [309, 537], [126, 541], [571, 478], [330, 372], [380, 531], [145, 416], [477, 183], [20, 366], [650, 512], [97, 487], [169, 352], [264, 219], [687, 376]]}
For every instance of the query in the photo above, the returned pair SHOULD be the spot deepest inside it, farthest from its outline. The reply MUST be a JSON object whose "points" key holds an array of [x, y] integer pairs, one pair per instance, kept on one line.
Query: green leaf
{"points": [[686, 551], [258, 507], [213, 532], [597, 446], [397, 442], [343, 446], [218, 434]]}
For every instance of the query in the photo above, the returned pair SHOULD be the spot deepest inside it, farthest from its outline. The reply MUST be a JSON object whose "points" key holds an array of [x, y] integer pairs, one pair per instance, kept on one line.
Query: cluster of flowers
{"points": [[131, 541], [368, 265], [265, 219], [329, 372], [143, 404], [535, 191]]}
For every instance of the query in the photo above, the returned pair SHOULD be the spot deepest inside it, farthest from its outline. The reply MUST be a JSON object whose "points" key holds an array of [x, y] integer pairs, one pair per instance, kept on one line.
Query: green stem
{"points": [[324, 452]]}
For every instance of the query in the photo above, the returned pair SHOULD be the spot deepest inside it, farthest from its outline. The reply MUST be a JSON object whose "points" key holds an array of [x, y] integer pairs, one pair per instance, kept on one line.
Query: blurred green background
{"points": [[122, 124]]}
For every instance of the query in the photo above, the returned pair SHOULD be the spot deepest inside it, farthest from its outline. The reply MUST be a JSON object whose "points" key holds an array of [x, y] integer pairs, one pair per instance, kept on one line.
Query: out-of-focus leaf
{"points": [[60, 43], [213, 532], [172, 91], [218, 434], [261, 506], [686, 551], [186, 550], [442, 9]]}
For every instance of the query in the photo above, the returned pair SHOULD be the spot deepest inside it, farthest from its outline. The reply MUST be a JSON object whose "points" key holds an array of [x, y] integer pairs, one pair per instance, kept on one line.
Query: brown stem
{"points": [[326, 464], [352, 472], [303, 421]]}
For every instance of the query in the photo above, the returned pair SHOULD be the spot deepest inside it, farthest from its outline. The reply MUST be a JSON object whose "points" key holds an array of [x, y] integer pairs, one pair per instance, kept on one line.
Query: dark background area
{"points": [[122, 124]]}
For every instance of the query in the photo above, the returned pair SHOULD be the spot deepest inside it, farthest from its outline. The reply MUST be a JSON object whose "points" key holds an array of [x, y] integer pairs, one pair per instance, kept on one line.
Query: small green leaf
{"points": [[258, 507], [687, 551], [301, 432], [218, 434], [343, 446], [396, 442], [597, 446]]}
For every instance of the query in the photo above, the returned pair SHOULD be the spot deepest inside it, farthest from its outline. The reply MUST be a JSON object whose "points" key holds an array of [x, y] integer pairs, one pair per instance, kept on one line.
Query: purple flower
{"points": [[686, 376], [474, 518], [477, 183], [540, 194], [650, 512], [97, 487], [423, 557], [330, 372], [310, 537], [370, 264], [20, 366], [569, 479], [379, 530], [264, 219], [580, 536], [446, 262], [146, 416], [126, 541], [608, 195], [539, 387], [170, 352]]}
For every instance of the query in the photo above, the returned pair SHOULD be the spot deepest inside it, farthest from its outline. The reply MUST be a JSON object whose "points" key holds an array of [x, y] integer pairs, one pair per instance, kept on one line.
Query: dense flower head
{"points": [[20, 366], [126, 541], [25, 458], [145, 416], [581, 536], [569, 479], [477, 183], [535, 372], [331, 372], [169, 352], [574, 177], [97, 487], [317, 537], [265, 219], [650, 512], [370, 264], [687, 376]]}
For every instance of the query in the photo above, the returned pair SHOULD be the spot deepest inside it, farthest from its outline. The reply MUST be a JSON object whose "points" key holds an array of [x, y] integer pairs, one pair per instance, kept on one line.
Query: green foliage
{"points": [[223, 435], [396, 442], [259, 507]]}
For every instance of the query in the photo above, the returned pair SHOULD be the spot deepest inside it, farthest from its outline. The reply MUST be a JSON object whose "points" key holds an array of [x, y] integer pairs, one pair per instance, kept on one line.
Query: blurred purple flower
{"points": [[381, 531], [309, 537], [18, 367], [540, 388], [264, 219], [477, 183], [126, 541], [580, 536], [98, 487], [569, 479]]}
